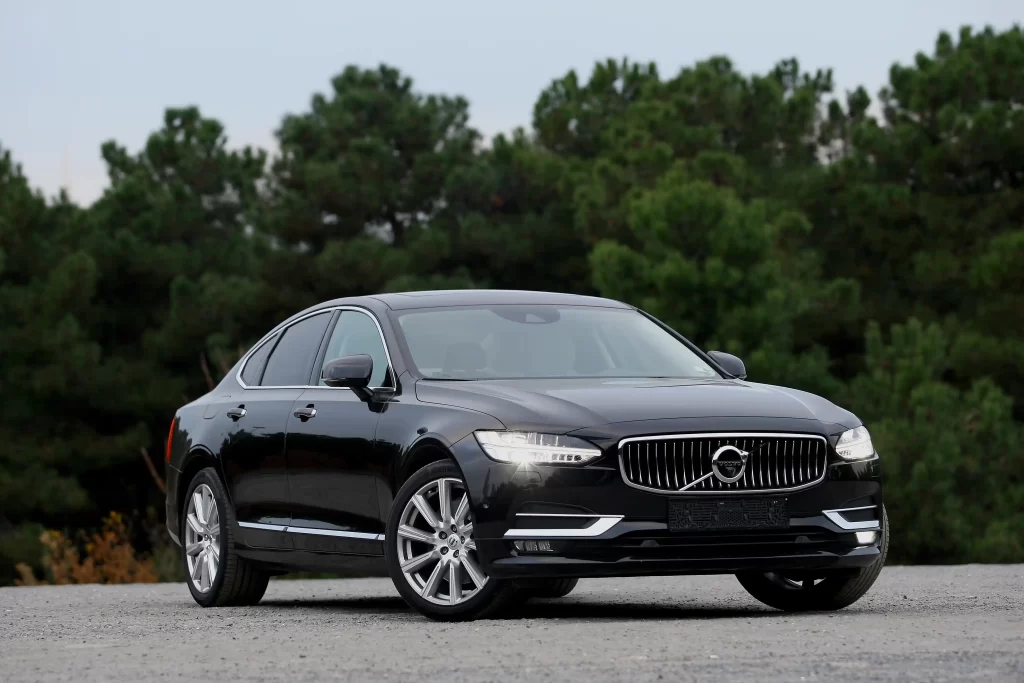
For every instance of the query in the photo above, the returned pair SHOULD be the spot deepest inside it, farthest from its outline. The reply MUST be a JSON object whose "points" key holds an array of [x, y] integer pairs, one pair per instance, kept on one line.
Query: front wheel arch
{"points": [[425, 451]]}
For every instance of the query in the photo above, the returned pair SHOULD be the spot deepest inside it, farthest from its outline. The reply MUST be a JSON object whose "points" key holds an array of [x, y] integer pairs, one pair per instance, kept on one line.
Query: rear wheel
{"points": [[816, 591], [548, 588], [431, 550], [217, 576]]}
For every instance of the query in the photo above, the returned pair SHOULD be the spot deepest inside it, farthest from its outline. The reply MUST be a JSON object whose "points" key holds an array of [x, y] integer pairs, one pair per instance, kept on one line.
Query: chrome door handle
{"points": [[305, 413], [236, 413]]}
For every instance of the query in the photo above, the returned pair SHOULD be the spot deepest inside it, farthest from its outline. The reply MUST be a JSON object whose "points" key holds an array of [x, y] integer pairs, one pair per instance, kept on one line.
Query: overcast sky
{"points": [[74, 74]]}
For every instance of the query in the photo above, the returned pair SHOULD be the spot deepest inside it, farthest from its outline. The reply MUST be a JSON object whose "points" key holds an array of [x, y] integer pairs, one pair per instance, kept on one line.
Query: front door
{"points": [[332, 474]]}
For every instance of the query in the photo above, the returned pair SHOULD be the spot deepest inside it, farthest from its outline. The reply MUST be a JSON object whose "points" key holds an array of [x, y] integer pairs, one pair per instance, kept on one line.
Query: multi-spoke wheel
{"points": [[819, 590], [202, 538], [431, 550], [216, 574], [436, 551]]}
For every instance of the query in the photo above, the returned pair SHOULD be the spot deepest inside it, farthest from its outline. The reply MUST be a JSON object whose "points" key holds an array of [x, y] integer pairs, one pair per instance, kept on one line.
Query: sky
{"points": [[75, 74]]}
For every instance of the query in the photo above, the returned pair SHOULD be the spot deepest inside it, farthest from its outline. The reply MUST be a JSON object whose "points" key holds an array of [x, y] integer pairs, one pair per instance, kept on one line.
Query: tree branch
{"points": [[152, 470]]}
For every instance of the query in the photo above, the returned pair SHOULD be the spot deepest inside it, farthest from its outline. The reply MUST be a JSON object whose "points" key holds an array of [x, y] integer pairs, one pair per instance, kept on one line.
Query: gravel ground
{"points": [[917, 623]]}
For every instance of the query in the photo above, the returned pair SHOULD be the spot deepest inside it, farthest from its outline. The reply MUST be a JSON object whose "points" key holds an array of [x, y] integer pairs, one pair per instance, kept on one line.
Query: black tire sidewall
{"points": [[209, 477], [478, 603], [840, 589]]}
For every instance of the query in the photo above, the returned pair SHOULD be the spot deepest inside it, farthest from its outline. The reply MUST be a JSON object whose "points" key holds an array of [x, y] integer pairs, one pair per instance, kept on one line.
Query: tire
{"points": [[236, 581], [836, 589], [548, 588], [420, 588]]}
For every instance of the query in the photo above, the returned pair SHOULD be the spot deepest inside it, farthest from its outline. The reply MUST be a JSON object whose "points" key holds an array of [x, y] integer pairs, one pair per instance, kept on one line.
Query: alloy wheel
{"points": [[436, 549], [202, 538]]}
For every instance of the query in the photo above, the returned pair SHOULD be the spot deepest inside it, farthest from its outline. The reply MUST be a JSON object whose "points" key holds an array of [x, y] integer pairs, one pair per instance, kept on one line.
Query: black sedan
{"points": [[489, 446]]}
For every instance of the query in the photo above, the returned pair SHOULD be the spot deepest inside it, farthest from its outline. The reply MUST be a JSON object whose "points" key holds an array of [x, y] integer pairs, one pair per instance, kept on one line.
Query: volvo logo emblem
{"points": [[728, 463]]}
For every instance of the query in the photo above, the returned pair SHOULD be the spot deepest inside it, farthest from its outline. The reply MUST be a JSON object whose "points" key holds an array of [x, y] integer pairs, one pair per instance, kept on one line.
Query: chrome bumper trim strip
{"points": [[602, 524], [836, 517]]}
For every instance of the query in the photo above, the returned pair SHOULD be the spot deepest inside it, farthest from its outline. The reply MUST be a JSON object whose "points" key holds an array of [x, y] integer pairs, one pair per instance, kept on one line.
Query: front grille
{"points": [[682, 463]]}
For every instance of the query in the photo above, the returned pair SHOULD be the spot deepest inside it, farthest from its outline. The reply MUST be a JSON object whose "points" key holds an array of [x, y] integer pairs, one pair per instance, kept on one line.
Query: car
{"points": [[487, 447]]}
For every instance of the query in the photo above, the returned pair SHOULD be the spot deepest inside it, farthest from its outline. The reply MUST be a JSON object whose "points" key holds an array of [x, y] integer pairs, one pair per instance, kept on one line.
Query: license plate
{"points": [[728, 513]]}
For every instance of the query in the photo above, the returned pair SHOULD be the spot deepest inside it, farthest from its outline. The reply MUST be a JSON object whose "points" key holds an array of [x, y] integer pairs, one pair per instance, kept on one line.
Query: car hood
{"points": [[567, 404]]}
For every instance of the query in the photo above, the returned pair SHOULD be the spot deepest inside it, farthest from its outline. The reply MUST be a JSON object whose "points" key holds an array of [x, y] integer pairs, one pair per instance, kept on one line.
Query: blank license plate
{"points": [[728, 513]]}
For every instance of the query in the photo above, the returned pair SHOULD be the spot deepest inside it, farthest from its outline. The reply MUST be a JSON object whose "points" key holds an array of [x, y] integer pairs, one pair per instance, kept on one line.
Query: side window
{"points": [[357, 333], [254, 366], [293, 357]]}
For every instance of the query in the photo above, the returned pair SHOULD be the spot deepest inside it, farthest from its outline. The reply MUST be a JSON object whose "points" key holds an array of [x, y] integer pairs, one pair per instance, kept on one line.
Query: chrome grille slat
{"points": [[776, 462]]}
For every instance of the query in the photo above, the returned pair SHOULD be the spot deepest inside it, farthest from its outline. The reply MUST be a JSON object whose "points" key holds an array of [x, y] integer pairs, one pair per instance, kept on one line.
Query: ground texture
{"points": [[917, 624]]}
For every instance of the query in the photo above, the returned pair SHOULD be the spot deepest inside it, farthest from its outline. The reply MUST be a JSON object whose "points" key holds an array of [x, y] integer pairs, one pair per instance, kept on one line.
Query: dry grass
{"points": [[104, 557]]}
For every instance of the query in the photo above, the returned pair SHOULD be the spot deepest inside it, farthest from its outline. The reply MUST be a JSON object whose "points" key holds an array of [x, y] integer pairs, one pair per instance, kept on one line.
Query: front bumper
{"points": [[596, 525]]}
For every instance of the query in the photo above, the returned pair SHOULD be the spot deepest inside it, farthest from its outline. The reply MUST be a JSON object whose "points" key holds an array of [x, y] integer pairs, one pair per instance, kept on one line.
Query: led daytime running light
{"points": [[537, 449]]}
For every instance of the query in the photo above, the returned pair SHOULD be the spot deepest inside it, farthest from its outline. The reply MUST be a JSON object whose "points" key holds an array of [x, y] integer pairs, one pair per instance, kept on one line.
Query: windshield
{"points": [[511, 341]]}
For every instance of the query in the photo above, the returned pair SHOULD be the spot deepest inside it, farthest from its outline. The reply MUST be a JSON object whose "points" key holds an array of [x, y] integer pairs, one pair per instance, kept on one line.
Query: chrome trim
{"points": [[555, 514], [282, 328], [263, 527], [332, 532], [309, 530], [603, 524], [836, 517], [704, 435]]}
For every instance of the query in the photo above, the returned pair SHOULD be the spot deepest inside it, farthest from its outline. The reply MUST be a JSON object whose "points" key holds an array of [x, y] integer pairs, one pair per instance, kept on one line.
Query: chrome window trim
{"points": [[705, 435], [267, 337], [602, 524], [309, 530], [836, 517]]}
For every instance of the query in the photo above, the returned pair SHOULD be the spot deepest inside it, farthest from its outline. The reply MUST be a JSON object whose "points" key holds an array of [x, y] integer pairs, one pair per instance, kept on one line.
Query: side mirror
{"points": [[348, 371], [730, 363]]}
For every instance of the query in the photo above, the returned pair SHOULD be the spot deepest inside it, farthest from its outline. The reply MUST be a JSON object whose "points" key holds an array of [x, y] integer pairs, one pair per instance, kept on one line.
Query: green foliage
{"points": [[751, 212], [952, 457]]}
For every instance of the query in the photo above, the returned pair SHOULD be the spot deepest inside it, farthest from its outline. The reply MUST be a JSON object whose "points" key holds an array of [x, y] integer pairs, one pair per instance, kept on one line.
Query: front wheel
{"points": [[816, 591], [548, 588], [431, 551]]}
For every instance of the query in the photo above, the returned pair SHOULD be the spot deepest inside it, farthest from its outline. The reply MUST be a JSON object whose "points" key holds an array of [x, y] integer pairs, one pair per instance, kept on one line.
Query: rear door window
{"points": [[292, 359]]}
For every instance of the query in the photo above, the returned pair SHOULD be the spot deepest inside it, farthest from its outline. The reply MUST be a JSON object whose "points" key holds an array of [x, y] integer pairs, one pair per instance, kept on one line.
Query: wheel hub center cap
{"points": [[453, 542]]}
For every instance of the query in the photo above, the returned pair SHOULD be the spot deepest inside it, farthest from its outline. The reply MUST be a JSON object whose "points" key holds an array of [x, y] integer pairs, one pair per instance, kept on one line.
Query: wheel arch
{"points": [[428, 449], [197, 459]]}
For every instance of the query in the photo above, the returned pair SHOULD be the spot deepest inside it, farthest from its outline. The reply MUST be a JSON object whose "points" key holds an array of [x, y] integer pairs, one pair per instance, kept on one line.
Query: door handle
{"points": [[306, 413], [236, 413]]}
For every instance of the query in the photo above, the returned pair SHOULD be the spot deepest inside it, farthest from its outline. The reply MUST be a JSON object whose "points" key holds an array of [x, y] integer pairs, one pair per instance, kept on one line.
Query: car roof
{"points": [[481, 297]]}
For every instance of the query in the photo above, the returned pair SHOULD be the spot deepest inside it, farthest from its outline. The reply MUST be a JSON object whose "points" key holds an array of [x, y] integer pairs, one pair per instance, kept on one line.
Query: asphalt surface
{"points": [[917, 624]]}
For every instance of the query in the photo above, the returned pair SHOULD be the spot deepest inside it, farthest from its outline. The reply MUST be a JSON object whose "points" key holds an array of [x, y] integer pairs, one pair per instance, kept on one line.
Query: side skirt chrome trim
{"points": [[315, 532], [602, 524], [836, 517], [262, 527]]}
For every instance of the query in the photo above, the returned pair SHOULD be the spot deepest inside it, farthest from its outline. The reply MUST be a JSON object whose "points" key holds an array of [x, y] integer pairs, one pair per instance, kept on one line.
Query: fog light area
{"points": [[866, 537], [533, 546]]}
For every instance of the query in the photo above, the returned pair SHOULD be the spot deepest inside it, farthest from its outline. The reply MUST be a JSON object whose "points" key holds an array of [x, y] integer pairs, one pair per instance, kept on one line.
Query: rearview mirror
{"points": [[348, 371], [730, 363]]}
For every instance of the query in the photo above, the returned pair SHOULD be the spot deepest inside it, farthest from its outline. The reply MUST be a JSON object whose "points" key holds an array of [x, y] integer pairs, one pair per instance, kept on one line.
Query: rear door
{"points": [[331, 467], [253, 453]]}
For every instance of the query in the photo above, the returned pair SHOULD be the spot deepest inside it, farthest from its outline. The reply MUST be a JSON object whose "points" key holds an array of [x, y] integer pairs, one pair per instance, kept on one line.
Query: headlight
{"points": [[539, 449], [855, 444]]}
